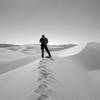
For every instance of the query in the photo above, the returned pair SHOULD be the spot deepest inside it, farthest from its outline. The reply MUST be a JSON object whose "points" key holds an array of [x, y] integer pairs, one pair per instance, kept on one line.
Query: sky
{"points": [[61, 21]]}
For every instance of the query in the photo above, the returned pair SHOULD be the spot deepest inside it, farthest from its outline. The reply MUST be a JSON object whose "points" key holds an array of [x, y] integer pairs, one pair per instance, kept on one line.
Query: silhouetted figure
{"points": [[44, 42]]}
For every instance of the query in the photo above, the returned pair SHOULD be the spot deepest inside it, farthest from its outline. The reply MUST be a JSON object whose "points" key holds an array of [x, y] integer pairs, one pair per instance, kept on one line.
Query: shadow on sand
{"points": [[8, 66]]}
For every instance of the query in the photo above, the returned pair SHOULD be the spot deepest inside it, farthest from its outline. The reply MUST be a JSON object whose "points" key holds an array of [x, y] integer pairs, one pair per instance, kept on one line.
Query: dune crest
{"points": [[89, 57]]}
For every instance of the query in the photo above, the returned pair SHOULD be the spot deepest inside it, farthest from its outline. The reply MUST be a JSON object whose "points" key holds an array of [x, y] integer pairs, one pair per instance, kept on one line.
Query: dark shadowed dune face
{"points": [[60, 47], [10, 46], [8, 66], [6, 45], [89, 57]]}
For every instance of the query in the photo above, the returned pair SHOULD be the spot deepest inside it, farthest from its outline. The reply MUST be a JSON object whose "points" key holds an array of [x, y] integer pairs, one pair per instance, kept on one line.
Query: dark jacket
{"points": [[43, 41]]}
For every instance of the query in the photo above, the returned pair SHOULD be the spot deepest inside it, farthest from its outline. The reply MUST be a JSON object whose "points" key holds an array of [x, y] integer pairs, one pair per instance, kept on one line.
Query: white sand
{"points": [[8, 55], [76, 72]]}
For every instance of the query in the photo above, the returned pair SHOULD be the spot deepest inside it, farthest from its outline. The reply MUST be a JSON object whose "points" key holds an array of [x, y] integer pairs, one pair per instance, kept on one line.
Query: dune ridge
{"points": [[89, 57]]}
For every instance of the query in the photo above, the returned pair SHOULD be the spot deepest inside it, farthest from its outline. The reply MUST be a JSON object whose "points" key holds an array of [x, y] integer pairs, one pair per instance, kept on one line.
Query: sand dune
{"points": [[17, 84], [76, 71], [8, 55], [8, 66], [89, 57], [11, 60], [71, 51]]}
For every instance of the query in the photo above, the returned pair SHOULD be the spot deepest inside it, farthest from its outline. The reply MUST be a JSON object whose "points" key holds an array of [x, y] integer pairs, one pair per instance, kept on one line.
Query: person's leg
{"points": [[42, 49], [46, 48]]}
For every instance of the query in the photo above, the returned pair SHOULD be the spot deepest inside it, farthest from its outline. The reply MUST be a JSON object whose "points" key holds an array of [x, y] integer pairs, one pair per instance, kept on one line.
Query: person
{"points": [[44, 42]]}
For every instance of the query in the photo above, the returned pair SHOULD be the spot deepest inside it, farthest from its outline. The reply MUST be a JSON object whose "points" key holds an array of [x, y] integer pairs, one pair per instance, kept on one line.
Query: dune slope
{"points": [[89, 57], [76, 77]]}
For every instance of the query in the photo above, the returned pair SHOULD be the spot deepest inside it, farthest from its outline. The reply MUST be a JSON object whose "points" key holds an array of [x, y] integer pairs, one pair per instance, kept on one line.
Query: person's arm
{"points": [[47, 40]]}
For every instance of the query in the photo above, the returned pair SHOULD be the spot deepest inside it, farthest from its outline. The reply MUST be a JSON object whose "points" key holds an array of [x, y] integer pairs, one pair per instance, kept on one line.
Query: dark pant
{"points": [[47, 50]]}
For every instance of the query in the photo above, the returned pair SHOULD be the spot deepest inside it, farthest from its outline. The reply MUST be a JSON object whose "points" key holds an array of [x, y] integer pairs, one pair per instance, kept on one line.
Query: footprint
{"points": [[46, 77], [43, 97]]}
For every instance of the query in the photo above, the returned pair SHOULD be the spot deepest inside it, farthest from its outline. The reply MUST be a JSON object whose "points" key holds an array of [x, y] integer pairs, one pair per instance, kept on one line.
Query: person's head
{"points": [[43, 35]]}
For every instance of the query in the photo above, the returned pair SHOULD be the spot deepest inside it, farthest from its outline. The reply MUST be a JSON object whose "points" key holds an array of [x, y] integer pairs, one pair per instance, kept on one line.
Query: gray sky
{"points": [[62, 21]]}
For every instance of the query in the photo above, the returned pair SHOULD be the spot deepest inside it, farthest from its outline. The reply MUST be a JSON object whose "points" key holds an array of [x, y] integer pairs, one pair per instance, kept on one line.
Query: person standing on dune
{"points": [[44, 42]]}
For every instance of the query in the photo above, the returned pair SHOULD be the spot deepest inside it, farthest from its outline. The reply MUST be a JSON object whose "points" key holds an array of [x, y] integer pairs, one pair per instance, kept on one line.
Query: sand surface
{"points": [[72, 74]]}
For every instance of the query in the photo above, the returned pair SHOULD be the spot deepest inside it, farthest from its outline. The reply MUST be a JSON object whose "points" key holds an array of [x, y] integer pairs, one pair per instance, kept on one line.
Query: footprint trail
{"points": [[46, 80]]}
